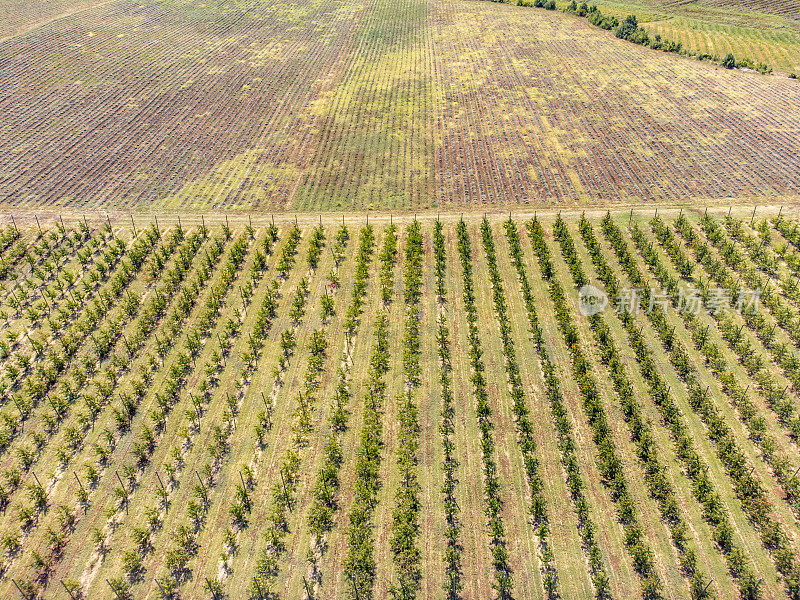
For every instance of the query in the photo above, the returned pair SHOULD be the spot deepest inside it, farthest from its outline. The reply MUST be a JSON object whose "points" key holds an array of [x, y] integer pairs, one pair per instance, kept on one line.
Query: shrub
{"points": [[602, 21], [729, 62], [627, 28]]}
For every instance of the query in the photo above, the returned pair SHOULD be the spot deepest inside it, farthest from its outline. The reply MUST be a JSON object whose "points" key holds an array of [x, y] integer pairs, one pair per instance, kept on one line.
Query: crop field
{"points": [[766, 31], [351, 105], [412, 408]]}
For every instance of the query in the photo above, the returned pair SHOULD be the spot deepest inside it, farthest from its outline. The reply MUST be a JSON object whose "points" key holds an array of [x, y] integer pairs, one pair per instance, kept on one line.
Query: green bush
{"points": [[729, 62], [598, 19]]}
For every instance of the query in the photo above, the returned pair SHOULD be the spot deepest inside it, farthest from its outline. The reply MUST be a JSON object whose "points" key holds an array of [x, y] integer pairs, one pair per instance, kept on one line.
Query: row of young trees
{"points": [[788, 318], [525, 433], [148, 434], [608, 459], [658, 484], [405, 514], [747, 488], [785, 249], [219, 447], [71, 384], [57, 306], [142, 537], [180, 551], [757, 248], [283, 491], [97, 387], [359, 563], [749, 356], [133, 556], [52, 272], [185, 541], [493, 504], [325, 495], [587, 528], [452, 559], [8, 235], [14, 349], [18, 249], [31, 385], [714, 510], [27, 398], [782, 354]]}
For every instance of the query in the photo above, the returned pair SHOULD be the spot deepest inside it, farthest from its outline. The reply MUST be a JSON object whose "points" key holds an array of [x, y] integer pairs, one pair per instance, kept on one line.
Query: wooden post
{"points": [[124, 489], [163, 487], [706, 588], [78, 480], [16, 585], [200, 480], [19, 408], [196, 404], [754, 215], [67, 589], [285, 491], [258, 588], [208, 583], [158, 231], [244, 486], [133, 225], [305, 583], [37, 479], [163, 591], [113, 590], [37, 223]]}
